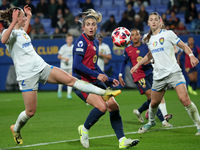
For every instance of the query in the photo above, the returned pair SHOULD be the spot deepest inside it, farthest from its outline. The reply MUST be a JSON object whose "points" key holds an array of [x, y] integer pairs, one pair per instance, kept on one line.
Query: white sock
{"points": [[121, 139], [60, 86], [84, 129], [152, 114], [194, 114], [88, 88], [21, 121], [163, 109], [69, 90]]}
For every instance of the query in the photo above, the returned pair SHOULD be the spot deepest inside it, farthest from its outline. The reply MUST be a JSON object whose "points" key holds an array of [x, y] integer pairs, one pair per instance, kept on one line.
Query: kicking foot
{"points": [[146, 127], [109, 93], [17, 136]]}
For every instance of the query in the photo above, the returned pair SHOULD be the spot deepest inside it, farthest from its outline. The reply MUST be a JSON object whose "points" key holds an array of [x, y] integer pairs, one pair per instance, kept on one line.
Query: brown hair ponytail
{"points": [[6, 15]]}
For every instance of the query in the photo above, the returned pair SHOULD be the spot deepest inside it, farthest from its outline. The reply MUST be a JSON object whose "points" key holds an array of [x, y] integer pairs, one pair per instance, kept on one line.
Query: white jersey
{"points": [[27, 62], [104, 49], [66, 52], [162, 49]]}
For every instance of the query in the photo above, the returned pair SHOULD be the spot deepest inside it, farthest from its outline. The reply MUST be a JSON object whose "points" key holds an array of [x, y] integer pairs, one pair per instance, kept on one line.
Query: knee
{"points": [[103, 108], [30, 113], [185, 100]]}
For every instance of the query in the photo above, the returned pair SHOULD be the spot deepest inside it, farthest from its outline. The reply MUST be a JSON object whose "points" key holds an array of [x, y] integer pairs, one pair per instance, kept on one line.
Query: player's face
{"points": [[90, 27], [154, 22], [135, 36], [190, 41], [21, 19], [69, 40]]}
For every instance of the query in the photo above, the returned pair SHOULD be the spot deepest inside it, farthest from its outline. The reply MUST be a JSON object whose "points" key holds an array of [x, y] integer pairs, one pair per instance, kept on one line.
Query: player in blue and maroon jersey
{"points": [[143, 77], [85, 56], [191, 71]]}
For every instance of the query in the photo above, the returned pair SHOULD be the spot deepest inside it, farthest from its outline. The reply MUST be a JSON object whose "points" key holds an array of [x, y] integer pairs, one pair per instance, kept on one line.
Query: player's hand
{"points": [[194, 61], [134, 69], [102, 77], [121, 81], [27, 10], [66, 59], [15, 15], [115, 83]]}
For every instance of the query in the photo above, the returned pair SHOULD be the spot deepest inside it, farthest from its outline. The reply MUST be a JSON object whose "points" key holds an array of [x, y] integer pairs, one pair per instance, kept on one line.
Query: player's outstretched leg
{"points": [[137, 113], [17, 136], [126, 143], [84, 139]]}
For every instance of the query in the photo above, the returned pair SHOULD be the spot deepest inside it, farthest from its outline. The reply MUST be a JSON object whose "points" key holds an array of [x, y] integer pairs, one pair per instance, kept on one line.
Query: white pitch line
{"points": [[98, 137]]}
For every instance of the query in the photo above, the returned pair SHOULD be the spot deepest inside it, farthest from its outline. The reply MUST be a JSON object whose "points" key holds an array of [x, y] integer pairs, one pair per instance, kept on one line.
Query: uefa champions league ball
{"points": [[121, 37]]}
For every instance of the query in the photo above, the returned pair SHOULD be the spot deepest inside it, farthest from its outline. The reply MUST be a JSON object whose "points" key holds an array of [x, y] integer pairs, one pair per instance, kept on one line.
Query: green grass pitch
{"points": [[55, 123]]}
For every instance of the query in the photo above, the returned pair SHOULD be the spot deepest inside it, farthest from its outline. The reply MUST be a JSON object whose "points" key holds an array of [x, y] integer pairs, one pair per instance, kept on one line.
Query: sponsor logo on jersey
{"points": [[79, 49], [157, 50], [26, 44], [155, 44], [161, 40], [138, 51], [139, 58], [95, 59], [94, 48], [80, 44]]}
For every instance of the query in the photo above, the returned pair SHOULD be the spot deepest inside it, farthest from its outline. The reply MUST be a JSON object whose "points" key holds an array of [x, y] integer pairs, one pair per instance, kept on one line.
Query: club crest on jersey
{"points": [[161, 40], [95, 59], [155, 44], [138, 51], [80, 44], [24, 34]]}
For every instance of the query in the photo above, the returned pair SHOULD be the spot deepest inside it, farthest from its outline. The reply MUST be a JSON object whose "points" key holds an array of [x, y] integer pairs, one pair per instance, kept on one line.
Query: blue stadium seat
{"points": [[121, 10], [181, 17], [97, 3], [150, 9], [76, 11], [146, 28], [119, 3], [107, 3], [46, 22], [198, 7], [72, 4], [137, 9], [35, 3], [103, 11], [161, 9], [113, 11], [155, 2]]}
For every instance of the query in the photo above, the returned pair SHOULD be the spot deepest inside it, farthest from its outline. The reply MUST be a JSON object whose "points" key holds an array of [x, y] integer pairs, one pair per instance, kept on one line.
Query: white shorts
{"points": [[173, 79], [31, 84]]}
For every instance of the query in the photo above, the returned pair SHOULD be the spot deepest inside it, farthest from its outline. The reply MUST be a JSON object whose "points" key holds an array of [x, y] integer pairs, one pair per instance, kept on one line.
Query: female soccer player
{"points": [[31, 68], [191, 71], [143, 77], [166, 70], [85, 56]]}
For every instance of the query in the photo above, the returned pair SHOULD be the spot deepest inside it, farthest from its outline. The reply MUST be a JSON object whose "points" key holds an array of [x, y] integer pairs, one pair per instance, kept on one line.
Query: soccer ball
{"points": [[121, 36]]}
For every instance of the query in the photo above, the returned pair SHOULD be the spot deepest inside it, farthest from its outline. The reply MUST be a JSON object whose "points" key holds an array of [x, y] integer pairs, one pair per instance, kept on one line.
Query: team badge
{"points": [[161, 40], [24, 34], [95, 59], [155, 44], [138, 51], [80, 44], [139, 58]]}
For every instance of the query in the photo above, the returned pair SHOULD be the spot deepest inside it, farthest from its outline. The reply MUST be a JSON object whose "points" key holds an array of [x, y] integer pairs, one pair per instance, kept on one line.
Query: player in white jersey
{"points": [[166, 70], [66, 60], [104, 52], [31, 68]]}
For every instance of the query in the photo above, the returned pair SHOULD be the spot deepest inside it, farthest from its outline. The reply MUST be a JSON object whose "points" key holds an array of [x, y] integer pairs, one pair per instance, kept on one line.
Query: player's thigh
{"points": [[97, 101], [156, 97], [59, 76], [182, 93], [30, 102]]}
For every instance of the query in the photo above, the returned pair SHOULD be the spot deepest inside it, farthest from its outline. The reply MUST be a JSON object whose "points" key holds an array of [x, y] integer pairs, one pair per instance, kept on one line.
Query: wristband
{"points": [[120, 74], [191, 54]]}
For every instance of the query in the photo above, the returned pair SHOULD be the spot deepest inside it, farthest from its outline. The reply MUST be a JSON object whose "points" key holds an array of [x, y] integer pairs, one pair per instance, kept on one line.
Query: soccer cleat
{"points": [[126, 143], [69, 96], [146, 127], [147, 114], [83, 137], [168, 117], [194, 93], [198, 133], [137, 113], [109, 93], [166, 124], [17, 136], [59, 94]]}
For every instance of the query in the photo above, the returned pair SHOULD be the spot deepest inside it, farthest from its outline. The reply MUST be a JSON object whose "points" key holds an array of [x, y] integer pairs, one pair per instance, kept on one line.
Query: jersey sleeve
{"points": [[123, 65], [61, 50], [173, 38]]}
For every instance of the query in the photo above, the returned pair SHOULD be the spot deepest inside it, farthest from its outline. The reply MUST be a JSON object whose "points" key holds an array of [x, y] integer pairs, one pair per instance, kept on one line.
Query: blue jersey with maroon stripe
{"points": [[134, 55], [85, 55]]}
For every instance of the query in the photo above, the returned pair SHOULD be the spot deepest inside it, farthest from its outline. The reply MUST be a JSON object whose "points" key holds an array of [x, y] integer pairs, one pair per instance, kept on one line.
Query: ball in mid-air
{"points": [[121, 36]]}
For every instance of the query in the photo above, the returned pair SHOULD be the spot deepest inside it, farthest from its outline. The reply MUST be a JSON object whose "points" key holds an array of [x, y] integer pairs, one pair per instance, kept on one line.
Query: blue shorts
{"points": [[190, 70], [84, 95], [145, 84]]}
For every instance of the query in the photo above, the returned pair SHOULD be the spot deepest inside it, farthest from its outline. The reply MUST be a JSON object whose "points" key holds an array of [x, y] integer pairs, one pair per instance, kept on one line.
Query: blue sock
{"points": [[194, 85], [116, 122], [92, 118], [144, 106], [160, 115]]}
